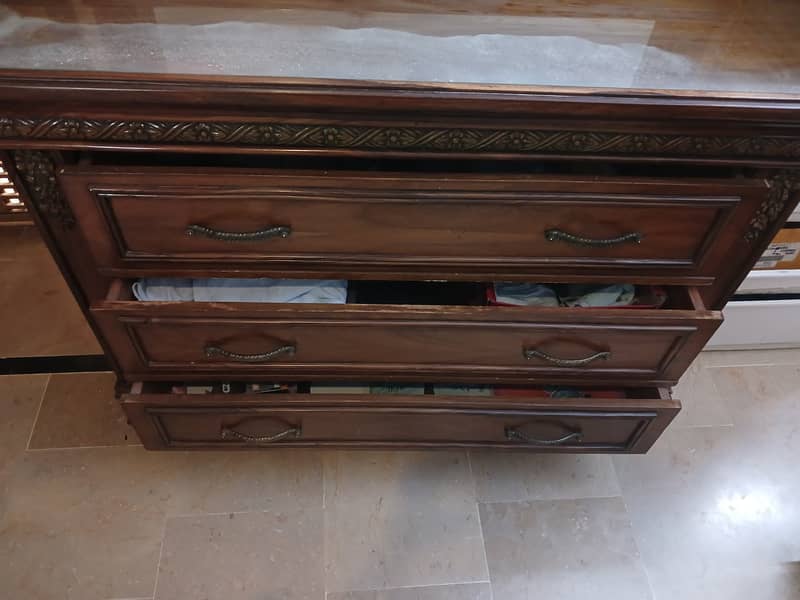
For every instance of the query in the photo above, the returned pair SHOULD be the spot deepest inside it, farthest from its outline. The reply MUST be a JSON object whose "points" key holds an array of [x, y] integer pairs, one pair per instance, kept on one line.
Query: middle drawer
{"points": [[481, 344]]}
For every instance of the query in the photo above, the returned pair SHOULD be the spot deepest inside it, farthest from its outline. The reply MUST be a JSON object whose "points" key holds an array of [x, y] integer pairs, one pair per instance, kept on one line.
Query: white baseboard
{"points": [[759, 324], [771, 282]]}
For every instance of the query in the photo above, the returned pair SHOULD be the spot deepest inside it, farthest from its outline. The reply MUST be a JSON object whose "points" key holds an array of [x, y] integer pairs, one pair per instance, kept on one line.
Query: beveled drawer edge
{"points": [[653, 414], [646, 420]]}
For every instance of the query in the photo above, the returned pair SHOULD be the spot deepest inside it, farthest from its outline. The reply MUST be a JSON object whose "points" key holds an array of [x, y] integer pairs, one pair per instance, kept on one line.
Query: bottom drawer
{"points": [[166, 420]]}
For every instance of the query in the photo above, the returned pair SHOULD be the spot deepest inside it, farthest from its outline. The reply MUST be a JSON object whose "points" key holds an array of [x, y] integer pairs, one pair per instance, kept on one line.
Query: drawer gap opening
{"points": [[386, 390], [321, 163], [559, 296]]}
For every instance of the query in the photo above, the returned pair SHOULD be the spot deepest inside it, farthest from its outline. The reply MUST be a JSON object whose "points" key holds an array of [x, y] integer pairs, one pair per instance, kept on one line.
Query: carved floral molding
{"points": [[412, 139], [38, 171], [782, 186]]}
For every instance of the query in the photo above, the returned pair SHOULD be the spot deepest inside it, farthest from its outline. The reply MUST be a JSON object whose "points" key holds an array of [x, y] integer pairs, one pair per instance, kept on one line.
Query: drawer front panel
{"points": [[618, 346], [157, 219], [564, 425]]}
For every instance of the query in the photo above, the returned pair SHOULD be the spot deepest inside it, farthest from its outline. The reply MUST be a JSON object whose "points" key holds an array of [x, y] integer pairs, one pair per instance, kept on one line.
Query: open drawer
{"points": [[166, 420], [483, 344]]}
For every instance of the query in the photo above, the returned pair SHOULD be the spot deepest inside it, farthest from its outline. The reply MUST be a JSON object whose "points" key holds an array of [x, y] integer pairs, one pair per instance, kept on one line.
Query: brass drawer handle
{"points": [[513, 434], [228, 433], [233, 236], [554, 235], [530, 353], [212, 351]]}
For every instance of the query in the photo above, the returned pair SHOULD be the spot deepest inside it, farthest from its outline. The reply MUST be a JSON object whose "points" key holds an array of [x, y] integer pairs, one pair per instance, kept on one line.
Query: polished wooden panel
{"points": [[167, 421], [136, 220], [707, 45], [168, 340]]}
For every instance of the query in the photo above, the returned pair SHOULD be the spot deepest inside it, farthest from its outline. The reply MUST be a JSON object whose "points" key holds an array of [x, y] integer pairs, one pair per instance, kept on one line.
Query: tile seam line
{"points": [[38, 412], [566, 499], [410, 587], [642, 562], [480, 521], [226, 513], [722, 426], [160, 555]]}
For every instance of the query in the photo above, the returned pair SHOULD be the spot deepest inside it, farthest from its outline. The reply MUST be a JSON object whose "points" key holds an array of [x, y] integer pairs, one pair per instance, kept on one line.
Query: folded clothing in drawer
{"points": [[306, 291], [575, 295]]}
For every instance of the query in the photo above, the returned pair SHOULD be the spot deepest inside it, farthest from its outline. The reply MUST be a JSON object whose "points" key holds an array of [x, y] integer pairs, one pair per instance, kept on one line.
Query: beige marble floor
{"points": [[51, 326], [87, 514], [711, 512]]}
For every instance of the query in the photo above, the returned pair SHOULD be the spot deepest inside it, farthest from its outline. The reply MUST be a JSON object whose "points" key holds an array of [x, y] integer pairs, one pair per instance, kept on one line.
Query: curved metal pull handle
{"points": [[212, 351], [565, 362], [514, 435], [553, 235], [227, 433], [233, 236]]}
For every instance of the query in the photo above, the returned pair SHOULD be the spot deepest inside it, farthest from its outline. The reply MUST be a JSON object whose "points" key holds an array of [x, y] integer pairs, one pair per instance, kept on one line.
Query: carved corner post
{"points": [[35, 174], [783, 185], [38, 171]]}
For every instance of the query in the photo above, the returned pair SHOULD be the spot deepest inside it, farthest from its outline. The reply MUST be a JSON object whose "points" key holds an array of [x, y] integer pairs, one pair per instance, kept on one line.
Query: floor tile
{"points": [[40, 316], [505, 477], [400, 519], [745, 358], [702, 405], [464, 591], [20, 398], [760, 396], [562, 549], [81, 526], [246, 556], [87, 523], [707, 504], [79, 409], [734, 582], [765, 405], [12, 237], [217, 482]]}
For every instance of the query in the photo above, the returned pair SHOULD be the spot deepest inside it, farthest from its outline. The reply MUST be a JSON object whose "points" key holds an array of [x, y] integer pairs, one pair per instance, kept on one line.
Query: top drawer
{"points": [[150, 220]]}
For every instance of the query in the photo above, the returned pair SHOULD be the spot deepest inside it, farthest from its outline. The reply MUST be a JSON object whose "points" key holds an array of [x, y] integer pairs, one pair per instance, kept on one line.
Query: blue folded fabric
{"points": [[536, 294], [304, 291], [525, 294]]}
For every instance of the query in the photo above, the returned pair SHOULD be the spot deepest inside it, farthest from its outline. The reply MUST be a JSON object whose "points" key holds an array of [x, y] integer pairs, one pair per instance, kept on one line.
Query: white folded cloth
{"points": [[307, 291]]}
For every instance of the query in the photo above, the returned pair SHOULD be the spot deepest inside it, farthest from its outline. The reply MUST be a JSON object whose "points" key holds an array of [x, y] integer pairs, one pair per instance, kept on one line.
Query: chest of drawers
{"points": [[421, 195]]}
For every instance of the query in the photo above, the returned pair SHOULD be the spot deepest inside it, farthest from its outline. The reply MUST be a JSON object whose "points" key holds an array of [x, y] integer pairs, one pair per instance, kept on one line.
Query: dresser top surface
{"points": [[723, 48]]}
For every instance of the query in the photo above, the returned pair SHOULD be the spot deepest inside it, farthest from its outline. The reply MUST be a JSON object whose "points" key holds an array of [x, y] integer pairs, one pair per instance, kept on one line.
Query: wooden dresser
{"points": [[631, 143]]}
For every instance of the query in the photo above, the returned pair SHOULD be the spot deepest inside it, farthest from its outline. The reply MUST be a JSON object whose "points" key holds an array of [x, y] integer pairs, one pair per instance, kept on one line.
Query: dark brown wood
{"points": [[168, 340], [706, 175], [169, 421], [371, 223], [783, 196]]}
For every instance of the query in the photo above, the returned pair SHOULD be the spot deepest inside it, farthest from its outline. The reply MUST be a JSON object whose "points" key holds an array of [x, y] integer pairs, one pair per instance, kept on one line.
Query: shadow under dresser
{"points": [[422, 201]]}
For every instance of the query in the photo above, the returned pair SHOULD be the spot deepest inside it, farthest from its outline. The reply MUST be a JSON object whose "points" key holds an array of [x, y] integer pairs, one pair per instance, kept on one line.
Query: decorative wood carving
{"points": [[782, 186], [412, 139], [38, 171]]}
